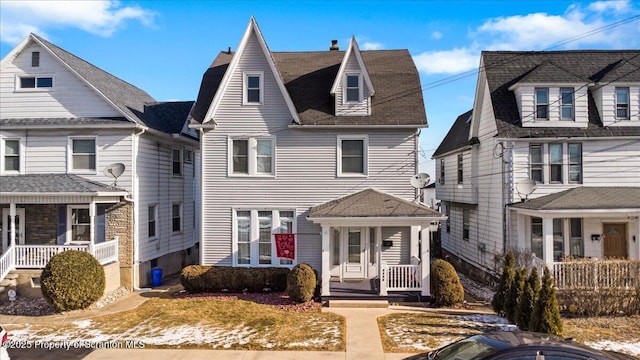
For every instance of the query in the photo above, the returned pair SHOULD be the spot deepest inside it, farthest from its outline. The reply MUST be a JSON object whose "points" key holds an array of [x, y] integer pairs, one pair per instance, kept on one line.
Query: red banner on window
{"points": [[286, 246]]}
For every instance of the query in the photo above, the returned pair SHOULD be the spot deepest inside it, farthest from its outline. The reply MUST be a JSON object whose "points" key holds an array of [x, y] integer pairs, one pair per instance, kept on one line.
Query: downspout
{"points": [[136, 238]]}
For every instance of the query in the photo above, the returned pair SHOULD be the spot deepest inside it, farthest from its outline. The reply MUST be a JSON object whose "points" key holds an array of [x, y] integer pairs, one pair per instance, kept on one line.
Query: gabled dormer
{"points": [[352, 89], [551, 96]]}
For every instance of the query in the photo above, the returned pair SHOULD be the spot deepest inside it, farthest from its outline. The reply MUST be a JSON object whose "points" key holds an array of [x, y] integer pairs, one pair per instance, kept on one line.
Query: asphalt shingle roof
{"points": [[52, 183], [168, 117], [64, 121], [308, 77], [458, 135], [584, 198], [371, 203]]}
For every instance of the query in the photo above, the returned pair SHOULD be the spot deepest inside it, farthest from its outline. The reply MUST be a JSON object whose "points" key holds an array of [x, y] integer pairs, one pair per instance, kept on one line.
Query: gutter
{"points": [[355, 126]]}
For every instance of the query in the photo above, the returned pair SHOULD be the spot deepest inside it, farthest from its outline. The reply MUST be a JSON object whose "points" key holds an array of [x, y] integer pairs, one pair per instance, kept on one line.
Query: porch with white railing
{"points": [[37, 256], [400, 278]]}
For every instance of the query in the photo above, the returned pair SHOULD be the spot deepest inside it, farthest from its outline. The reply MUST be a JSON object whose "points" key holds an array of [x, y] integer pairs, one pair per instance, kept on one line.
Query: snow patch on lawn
{"points": [[494, 322], [477, 290], [632, 348]]}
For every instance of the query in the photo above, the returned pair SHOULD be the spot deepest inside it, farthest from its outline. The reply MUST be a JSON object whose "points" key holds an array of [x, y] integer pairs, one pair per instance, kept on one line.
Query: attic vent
{"points": [[334, 45], [35, 59]]}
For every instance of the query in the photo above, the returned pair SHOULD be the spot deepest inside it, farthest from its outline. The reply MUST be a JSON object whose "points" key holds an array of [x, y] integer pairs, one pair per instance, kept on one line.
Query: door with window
{"points": [[79, 226], [615, 241], [354, 250], [6, 228]]}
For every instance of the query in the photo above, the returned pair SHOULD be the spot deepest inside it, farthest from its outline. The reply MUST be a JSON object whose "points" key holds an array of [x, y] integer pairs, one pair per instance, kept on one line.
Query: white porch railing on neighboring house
{"points": [[400, 278], [37, 256], [597, 274]]}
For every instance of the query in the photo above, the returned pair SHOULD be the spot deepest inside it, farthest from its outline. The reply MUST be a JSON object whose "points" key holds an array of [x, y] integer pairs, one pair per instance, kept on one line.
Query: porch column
{"points": [[12, 223], [425, 262], [382, 267], [326, 265], [413, 243], [547, 242], [522, 231]]}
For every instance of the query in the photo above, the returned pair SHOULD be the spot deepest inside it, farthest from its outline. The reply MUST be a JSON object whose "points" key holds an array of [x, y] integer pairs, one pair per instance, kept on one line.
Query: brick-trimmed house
{"points": [[320, 144], [547, 161], [67, 130]]}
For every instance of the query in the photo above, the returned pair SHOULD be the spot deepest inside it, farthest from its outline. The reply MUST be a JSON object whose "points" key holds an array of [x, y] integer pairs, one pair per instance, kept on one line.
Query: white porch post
{"points": [[12, 223], [522, 231], [425, 262], [637, 238], [413, 244], [382, 267], [92, 220], [326, 265], [547, 242]]}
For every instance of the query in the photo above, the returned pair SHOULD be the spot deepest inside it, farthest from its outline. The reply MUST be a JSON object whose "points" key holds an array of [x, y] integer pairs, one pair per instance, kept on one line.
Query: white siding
{"points": [[525, 98], [398, 253], [70, 97], [451, 189], [606, 102], [351, 109]]}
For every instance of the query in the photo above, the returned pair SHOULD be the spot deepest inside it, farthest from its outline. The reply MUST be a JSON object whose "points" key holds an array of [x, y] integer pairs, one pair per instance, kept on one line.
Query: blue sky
{"points": [[164, 47]]}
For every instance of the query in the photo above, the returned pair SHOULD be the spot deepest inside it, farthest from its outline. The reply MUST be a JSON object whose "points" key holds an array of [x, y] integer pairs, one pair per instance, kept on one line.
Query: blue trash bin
{"points": [[156, 277]]}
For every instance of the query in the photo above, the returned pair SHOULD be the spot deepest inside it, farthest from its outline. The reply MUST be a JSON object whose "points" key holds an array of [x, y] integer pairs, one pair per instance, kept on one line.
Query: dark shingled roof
{"points": [[458, 135], [308, 77], [585, 198], [506, 68], [168, 116], [53, 183], [371, 203]]}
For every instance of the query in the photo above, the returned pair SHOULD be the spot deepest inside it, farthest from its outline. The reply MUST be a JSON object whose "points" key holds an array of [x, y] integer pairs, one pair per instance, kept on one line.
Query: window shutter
{"points": [[62, 224], [101, 224]]}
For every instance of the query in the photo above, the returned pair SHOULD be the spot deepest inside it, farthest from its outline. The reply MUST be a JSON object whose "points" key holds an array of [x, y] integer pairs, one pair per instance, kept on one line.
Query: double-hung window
{"points": [[566, 104], [176, 217], [152, 224], [558, 239], [575, 163], [253, 236], [542, 103], [11, 156], [264, 238], [252, 156], [460, 169], [465, 224], [536, 236], [176, 167], [535, 163], [80, 223], [555, 163], [83, 154], [243, 237], [622, 103], [352, 155], [353, 88], [253, 88], [576, 242]]}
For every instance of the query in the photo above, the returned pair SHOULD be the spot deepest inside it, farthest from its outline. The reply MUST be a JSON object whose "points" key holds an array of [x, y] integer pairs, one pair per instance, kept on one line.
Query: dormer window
{"points": [[353, 88], [542, 103], [566, 104], [622, 103], [253, 88]]}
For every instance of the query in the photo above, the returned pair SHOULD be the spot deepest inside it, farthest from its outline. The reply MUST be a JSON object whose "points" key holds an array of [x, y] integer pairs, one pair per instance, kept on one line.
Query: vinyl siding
{"points": [[525, 97], [399, 252], [344, 109], [69, 97], [606, 103]]}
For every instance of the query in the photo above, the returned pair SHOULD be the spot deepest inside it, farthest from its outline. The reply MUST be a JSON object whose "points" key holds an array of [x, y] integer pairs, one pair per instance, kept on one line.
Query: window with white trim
{"points": [[253, 93], [555, 163], [176, 163], [575, 163], [253, 236], [252, 156], [80, 224], [176, 217], [352, 155], [35, 58], [622, 103], [566, 104], [465, 224], [542, 103], [82, 154], [558, 239], [34, 82], [536, 237], [353, 88], [460, 169], [576, 241], [152, 224], [441, 171], [536, 163], [11, 155]]}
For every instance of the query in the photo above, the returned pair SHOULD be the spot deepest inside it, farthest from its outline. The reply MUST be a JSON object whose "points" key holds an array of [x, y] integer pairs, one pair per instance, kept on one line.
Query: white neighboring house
{"points": [[63, 123], [567, 121], [319, 144]]}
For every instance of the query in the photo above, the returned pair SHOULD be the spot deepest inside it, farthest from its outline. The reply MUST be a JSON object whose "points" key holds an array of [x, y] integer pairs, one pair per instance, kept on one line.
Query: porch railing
{"points": [[597, 274], [401, 277], [37, 256]]}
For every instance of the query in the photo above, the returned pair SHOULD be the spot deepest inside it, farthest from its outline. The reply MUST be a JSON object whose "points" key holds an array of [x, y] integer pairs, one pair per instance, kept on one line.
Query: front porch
{"points": [[372, 246]]}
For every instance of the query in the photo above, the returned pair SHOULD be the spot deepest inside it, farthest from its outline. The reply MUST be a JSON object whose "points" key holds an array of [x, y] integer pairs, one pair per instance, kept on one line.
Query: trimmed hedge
{"points": [[72, 280], [301, 283], [202, 279], [446, 288]]}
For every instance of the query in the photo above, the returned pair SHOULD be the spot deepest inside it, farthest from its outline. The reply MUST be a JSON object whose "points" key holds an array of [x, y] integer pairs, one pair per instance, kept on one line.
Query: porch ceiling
{"points": [[54, 184], [585, 199], [373, 205]]}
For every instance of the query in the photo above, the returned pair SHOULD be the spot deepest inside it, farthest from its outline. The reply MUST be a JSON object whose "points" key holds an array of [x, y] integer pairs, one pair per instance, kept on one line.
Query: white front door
{"points": [[6, 228], [354, 266]]}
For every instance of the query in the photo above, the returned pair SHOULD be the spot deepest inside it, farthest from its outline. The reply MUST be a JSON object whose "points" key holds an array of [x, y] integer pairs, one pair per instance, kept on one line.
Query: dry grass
{"points": [[207, 323], [596, 329]]}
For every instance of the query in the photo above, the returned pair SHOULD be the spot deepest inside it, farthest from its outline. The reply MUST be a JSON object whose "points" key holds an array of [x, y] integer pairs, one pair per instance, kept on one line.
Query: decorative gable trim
{"points": [[355, 50], [251, 28]]}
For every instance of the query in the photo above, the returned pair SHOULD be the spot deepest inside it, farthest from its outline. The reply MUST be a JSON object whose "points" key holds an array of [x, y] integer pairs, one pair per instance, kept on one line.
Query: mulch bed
{"points": [[278, 300]]}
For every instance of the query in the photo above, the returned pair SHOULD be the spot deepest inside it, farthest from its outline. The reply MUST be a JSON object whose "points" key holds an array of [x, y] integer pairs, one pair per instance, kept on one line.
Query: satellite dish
{"points": [[114, 170], [526, 187], [420, 180]]}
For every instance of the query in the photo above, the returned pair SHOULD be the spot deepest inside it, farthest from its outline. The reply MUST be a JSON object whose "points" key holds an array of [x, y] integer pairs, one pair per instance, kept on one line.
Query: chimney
{"points": [[334, 45]]}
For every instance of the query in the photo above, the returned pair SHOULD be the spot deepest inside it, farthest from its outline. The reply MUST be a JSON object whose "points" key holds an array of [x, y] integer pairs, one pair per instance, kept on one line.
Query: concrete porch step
{"points": [[358, 303]]}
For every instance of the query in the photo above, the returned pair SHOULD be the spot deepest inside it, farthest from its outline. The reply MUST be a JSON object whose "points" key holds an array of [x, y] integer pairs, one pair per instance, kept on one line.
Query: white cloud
{"points": [[615, 6], [436, 35], [371, 45], [101, 17], [447, 62]]}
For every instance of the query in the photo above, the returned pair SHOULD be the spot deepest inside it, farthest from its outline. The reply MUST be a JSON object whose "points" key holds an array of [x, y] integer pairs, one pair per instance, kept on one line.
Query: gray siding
{"points": [[399, 252]]}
